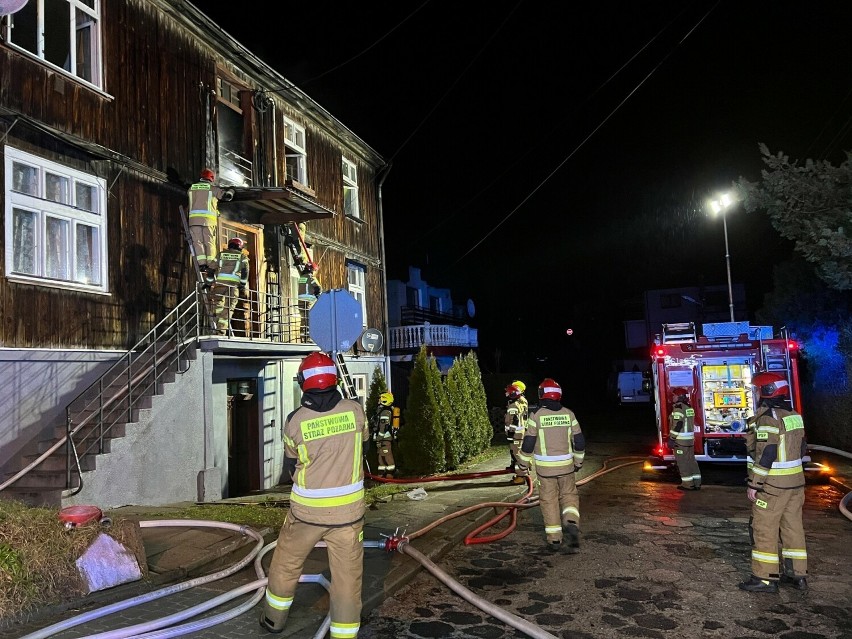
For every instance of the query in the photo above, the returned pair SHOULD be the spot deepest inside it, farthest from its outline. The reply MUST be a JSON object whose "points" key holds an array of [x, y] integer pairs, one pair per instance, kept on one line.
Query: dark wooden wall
{"points": [[159, 76]]}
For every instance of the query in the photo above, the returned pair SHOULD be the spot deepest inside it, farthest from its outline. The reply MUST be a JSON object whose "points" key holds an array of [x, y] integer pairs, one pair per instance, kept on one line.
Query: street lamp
{"points": [[719, 207]]}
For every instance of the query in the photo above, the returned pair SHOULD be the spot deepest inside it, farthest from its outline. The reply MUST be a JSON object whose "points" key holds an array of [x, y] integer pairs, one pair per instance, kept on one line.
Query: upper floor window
{"points": [[350, 190], [295, 155], [235, 168], [357, 280], [64, 33], [55, 231]]}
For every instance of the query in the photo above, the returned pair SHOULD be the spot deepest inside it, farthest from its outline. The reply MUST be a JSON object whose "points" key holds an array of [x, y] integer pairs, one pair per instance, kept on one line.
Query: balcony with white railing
{"points": [[412, 337]]}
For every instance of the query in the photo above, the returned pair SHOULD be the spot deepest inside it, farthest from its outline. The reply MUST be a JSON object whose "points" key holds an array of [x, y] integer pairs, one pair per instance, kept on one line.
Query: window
{"points": [[350, 190], [234, 168], [356, 275], [670, 300], [295, 156], [64, 33], [360, 384], [55, 223]]}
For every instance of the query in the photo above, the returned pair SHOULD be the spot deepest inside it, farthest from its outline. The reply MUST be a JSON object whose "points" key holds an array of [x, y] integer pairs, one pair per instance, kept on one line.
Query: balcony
{"points": [[412, 337], [410, 315]]}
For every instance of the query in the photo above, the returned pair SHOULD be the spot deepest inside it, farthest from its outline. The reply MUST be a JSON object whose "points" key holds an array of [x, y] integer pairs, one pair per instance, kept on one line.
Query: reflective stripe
{"points": [[319, 370], [554, 458], [793, 422], [326, 502], [549, 530], [757, 470], [319, 493], [794, 553], [767, 429], [685, 436], [787, 464], [570, 510], [344, 629], [279, 603], [764, 557]]}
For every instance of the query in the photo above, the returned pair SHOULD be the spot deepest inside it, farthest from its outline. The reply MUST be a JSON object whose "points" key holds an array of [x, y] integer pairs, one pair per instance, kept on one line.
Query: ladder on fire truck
{"points": [[679, 332], [778, 362]]}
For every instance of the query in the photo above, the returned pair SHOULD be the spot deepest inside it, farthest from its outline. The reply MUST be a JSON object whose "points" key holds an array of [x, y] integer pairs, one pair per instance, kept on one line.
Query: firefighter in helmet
{"points": [[682, 439], [776, 488], [513, 422], [554, 442], [384, 434], [323, 441], [203, 220], [231, 280]]}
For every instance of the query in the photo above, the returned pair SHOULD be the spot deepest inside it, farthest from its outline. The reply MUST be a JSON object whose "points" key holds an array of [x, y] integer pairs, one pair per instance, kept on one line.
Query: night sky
{"points": [[551, 160]]}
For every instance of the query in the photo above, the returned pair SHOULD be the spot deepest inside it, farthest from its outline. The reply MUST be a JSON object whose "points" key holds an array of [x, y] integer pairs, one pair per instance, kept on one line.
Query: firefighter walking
{"points": [[682, 440], [554, 442], [231, 279], [776, 489], [384, 434], [516, 416], [203, 220], [323, 441]]}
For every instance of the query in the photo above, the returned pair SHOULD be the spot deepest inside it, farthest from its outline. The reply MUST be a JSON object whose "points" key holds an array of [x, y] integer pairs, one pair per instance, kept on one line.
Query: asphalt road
{"points": [[655, 562]]}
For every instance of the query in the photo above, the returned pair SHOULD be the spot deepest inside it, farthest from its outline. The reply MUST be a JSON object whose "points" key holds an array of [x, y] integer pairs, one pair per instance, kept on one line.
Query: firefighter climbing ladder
{"points": [[198, 276]]}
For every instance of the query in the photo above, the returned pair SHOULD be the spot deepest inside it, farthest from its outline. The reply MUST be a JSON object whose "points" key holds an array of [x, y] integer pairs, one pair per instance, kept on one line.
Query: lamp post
{"points": [[719, 207]]}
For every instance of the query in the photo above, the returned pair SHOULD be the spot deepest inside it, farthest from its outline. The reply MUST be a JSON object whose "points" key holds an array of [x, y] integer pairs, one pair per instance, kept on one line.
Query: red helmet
{"points": [[513, 392], [207, 174], [549, 389], [771, 385], [317, 372], [236, 243], [677, 392]]}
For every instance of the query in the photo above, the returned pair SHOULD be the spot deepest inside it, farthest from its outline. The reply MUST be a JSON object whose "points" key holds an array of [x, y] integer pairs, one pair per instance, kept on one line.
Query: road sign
{"points": [[336, 320]]}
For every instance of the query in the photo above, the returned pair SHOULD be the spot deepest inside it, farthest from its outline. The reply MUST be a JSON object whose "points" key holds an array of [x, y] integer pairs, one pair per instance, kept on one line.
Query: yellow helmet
{"points": [[386, 399], [521, 386]]}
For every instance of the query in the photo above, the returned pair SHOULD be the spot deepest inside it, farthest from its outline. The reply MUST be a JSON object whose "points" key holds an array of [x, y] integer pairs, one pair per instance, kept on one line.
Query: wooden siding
{"points": [[151, 125]]}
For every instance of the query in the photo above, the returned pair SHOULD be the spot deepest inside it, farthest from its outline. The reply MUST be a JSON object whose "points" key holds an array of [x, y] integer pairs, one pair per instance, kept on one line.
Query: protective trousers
{"points": [[560, 504], [521, 469], [778, 513], [204, 243], [345, 546], [690, 474], [386, 462], [224, 300]]}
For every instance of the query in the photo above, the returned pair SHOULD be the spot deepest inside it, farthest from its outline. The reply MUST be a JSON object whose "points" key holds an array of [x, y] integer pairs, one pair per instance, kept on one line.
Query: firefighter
{"points": [[324, 440], [682, 440], [554, 442], [203, 219], [231, 280], [384, 434], [776, 489], [513, 422], [522, 400]]}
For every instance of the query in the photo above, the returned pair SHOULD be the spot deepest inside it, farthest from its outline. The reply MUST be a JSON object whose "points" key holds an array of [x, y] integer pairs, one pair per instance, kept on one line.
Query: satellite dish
{"points": [[8, 7], [471, 309], [372, 340]]}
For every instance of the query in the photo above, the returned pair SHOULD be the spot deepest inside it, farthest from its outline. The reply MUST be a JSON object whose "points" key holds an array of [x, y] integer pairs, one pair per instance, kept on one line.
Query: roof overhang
{"points": [[274, 205]]}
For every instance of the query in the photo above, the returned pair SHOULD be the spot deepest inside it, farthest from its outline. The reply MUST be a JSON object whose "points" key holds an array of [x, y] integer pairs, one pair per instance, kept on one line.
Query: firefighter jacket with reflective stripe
{"points": [[382, 428], [514, 420], [204, 203], [681, 424], [327, 445], [233, 268], [779, 447], [554, 440]]}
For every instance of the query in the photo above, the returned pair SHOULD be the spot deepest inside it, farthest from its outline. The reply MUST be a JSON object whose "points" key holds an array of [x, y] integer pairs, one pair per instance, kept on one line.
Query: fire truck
{"points": [[715, 367]]}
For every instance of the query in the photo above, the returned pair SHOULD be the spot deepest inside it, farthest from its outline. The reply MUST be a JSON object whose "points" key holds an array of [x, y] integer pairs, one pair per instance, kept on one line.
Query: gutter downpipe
{"points": [[380, 180]]}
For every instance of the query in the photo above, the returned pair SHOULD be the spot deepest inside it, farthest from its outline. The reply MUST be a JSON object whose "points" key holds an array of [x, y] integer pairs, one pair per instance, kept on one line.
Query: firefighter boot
{"points": [[755, 584], [799, 583], [553, 546], [267, 624], [572, 536], [517, 479]]}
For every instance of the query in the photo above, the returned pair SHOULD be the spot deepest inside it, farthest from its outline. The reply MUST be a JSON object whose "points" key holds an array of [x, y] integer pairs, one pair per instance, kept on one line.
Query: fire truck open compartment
{"points": [[716, 368]]}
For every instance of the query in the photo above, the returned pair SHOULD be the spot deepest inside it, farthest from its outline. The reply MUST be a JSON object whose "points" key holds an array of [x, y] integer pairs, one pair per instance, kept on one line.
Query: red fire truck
{"points": [[716, 368]]}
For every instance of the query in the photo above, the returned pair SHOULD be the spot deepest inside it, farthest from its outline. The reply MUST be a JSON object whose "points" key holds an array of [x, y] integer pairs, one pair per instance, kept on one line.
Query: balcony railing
{"points": [[411, 315], [407, 337]]}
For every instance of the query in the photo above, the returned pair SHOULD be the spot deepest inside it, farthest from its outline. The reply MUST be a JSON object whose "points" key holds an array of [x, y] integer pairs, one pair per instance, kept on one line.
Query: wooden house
{"points": [[117, 392]]}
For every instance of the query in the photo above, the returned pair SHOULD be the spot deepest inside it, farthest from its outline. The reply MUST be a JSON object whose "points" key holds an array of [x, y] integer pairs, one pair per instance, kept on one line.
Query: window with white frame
{"points": [[360, 384], [350, 190], [55, 231], [357, 277], [63, 33], [295, 155]]}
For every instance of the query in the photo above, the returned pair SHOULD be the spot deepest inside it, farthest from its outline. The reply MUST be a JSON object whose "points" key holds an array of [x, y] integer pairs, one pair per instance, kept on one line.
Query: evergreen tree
{"points": [[422, 444], [458, 435], [377, 387], [480, 422]]}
